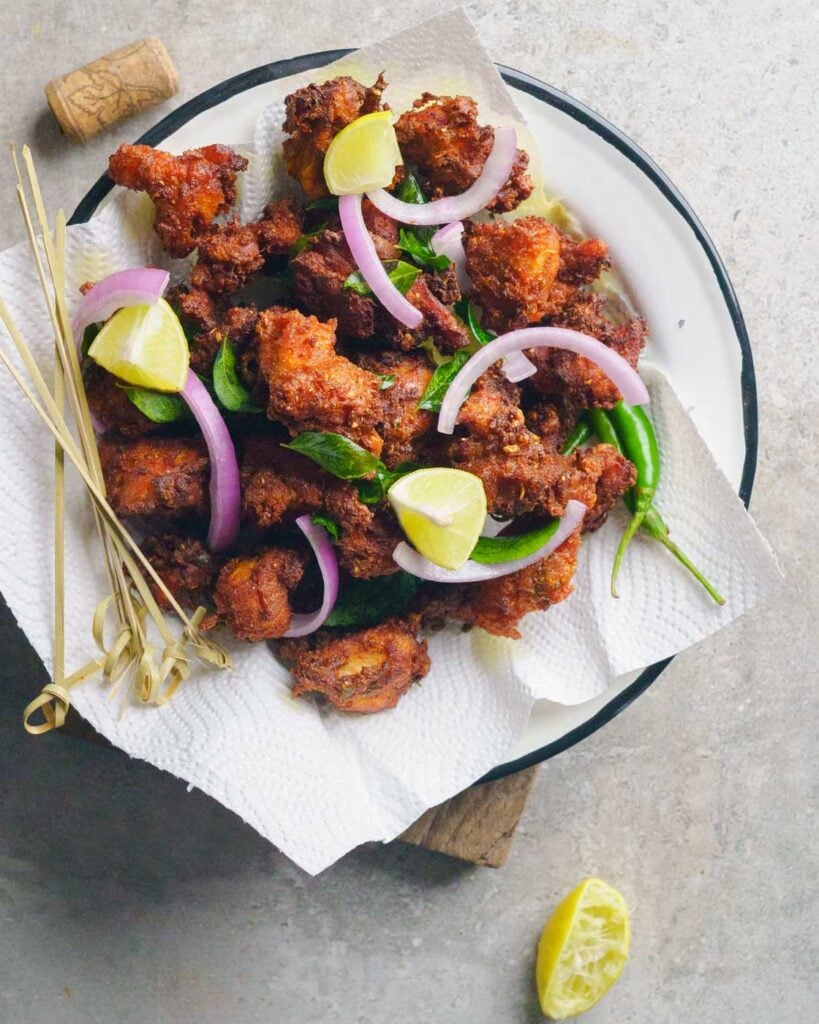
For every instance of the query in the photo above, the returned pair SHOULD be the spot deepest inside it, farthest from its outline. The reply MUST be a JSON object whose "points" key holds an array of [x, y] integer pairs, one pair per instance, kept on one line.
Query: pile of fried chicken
{"points": [[326, 358]]}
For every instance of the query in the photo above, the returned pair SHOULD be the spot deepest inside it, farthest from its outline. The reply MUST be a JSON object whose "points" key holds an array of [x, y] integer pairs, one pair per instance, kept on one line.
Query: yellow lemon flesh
{"points": [[442, 512], [582, 950], [144, 345], [363, 155]]}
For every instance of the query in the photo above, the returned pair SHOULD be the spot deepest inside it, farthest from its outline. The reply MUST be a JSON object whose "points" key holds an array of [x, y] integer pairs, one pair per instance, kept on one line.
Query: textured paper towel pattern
{"points": [[314, 782]]}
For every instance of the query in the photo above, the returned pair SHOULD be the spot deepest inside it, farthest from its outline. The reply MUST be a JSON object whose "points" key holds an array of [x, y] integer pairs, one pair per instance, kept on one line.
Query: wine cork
{"points": [[106, 91]]}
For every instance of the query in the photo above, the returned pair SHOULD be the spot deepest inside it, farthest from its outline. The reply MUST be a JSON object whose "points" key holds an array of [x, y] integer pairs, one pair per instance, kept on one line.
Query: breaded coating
{"points": [[612, 475], [404, 426], [582, 260], [189, 191], [308, 385], [320, 270], [157, 476], [441, 136], [439, 323], [574, 377], [513, 267], [498, 605], [229, 254], [185, 566], [111, 406], [278, 485], [314, 114], [208, 321], [369, 534], [366, 671], [252, 593]]}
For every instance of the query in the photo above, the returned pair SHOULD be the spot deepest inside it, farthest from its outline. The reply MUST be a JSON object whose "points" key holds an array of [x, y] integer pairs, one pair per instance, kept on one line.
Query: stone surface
{"points": [[123, 898]]}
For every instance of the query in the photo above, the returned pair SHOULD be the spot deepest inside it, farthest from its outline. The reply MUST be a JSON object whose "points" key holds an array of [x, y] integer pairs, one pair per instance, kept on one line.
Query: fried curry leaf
{"points": [[158, 406], [371, 492], [409, 191], [336, 453], [230, 391], [90, 332], [440, 380], [491, 550], [401, 274], [416, 242], [303, 240], [386, 381], [466, 311], [327, 203], [330, 525], [368, 602]]}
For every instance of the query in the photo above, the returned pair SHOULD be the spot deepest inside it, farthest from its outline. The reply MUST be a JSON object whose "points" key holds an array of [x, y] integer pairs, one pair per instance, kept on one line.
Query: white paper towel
{"points": [[314, 782]]}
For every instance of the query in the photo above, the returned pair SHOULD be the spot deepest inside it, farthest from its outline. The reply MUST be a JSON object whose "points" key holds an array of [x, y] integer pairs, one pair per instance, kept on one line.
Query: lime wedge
{"points": [[363, 155], [582, 950], [144, 345], [442, 512]]}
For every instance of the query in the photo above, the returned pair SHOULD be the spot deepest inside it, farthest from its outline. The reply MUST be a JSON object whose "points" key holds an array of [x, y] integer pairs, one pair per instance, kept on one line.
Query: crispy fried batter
{"points": [[513, 267], [252, 592], [366, 671], [309, 386], [368, 535], [575, 377], [612, 475], [228, 255], [404, 425], [189, 191], [278, 485], [314, 114], [439, 322], [442, 137], [582, 260], [279, 229], [185, 566], [209, 321], [111, 405], [161, 476], [498, 605]]}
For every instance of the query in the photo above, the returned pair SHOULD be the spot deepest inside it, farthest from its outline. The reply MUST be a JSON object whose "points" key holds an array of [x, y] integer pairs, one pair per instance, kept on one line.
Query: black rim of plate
{"points": [[595, 123]]}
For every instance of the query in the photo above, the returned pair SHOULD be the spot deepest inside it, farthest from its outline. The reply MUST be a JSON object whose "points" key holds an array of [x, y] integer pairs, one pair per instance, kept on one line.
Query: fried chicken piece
{"points": [[309, 386], [280, 227], [612, 475], [513, 267], [582, 260], [368, 535], [439, 323], [252, 592], [366, 671], [185, 566], [110, 404], [278, 485], [319, 273], [314, 114], [498, 605], [574, 377], [189, 191], [208, 321], [442, 137], [404, 426], [161, 476]]}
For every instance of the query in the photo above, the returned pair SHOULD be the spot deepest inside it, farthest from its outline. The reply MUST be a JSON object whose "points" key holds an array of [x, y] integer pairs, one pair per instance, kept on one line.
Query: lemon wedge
{"points": [[363, 155], [144, 345], [582, 950], [442, 512]]}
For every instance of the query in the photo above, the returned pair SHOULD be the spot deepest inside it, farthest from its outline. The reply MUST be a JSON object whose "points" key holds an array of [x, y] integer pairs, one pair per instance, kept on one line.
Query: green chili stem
{"points": [[683, 559], [634, 525]]}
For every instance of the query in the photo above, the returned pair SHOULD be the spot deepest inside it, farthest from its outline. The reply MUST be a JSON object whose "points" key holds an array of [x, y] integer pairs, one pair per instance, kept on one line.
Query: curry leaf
{"points": [[466, 311], [401, 274], [230, 391], [367, 602], [417, 242], [327, 203], [440, 380], [303, 240], [335, 453], [386, 381], [158, 406], [409, 191], [490, 550], [90, 332], [330, 525]]}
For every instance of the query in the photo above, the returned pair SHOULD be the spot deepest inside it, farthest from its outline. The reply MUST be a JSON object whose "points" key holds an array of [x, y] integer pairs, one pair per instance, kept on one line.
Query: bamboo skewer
{"points": [[131, 656]]}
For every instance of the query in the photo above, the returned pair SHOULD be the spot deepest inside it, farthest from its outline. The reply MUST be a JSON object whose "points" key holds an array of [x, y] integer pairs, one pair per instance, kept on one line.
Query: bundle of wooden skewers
{"points": [[129, 662]]}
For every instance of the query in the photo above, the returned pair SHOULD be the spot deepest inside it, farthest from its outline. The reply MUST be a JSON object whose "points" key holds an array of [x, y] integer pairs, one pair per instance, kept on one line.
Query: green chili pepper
{"points": [[580, 435], [602, 424]]}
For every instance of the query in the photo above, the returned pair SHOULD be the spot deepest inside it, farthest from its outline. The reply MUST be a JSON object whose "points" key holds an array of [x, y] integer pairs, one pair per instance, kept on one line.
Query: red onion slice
{"points": [[303, 623], [492, 527], [449, 242], [479, 195], [475, 572], [225, 490], [371, 267], [141, 286], [516, 367], [620, 372]]}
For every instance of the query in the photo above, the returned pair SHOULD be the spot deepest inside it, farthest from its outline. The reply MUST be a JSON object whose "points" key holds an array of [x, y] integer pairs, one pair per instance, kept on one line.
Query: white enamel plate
{"points": [[698, 337]]}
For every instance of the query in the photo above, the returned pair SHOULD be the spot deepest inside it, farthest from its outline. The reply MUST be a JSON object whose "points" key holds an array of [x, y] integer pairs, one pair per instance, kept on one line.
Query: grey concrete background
{"points": [[124, 899]]}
